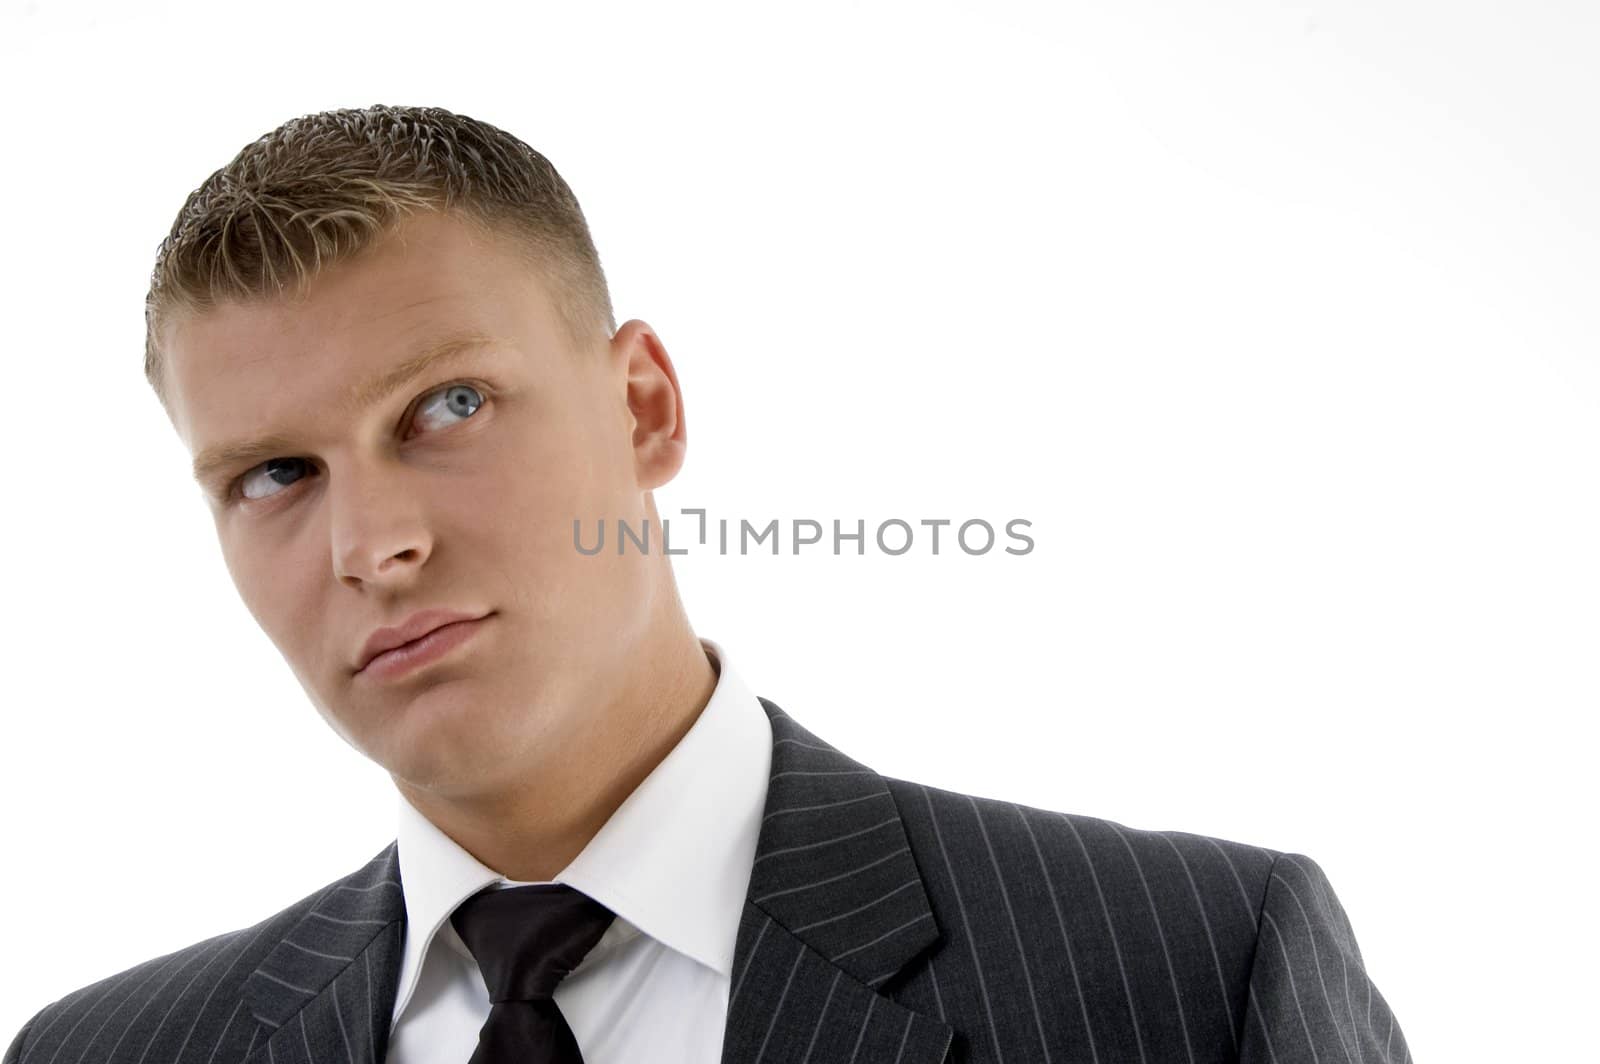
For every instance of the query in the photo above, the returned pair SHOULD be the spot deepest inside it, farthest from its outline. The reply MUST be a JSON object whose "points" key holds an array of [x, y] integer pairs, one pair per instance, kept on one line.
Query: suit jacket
{"points": [[886, 921]]}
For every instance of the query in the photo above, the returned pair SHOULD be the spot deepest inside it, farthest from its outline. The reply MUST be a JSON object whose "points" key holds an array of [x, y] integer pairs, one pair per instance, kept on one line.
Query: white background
{"points": [[1277, 321]]}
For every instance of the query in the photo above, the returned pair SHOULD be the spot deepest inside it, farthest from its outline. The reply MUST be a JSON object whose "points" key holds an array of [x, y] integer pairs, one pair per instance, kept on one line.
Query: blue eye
{"points": [[458, 399], [272, 466]]}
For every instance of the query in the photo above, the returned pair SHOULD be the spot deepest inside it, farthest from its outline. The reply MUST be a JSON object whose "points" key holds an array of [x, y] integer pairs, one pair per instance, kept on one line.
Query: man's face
{"points": [[459, 490]]}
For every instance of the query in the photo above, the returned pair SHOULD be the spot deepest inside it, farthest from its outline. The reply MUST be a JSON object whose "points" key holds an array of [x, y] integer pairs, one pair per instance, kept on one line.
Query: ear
{"points": [[655, 402]]}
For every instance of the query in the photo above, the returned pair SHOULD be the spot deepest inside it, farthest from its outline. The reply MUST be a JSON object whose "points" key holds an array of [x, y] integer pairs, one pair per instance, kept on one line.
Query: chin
{"points": [[444, 749], [440, 769]]}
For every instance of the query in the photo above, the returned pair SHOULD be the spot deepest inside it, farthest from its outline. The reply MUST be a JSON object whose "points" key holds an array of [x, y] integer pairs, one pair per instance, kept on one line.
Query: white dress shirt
{"points": [[673, 863]]}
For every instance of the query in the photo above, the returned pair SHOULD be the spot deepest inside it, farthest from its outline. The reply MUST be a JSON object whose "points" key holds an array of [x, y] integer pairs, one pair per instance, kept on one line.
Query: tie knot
{"points": [[527, 939]]}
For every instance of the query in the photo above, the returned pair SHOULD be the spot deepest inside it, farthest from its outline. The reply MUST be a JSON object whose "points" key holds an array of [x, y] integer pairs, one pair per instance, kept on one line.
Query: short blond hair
{"points": [[322, 187]]}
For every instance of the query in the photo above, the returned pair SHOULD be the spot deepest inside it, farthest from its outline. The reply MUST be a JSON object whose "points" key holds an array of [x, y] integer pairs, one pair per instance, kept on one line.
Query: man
{"points": [[385, 337]]}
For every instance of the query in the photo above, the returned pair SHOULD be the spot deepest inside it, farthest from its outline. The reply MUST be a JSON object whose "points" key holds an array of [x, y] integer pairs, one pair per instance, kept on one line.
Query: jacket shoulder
{"points": [[169, 1004], [1095, 932], [1105, 854]]}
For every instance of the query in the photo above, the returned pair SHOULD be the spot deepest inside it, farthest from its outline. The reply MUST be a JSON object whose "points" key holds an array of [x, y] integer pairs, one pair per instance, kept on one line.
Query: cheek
{"points": [[534, 494], [279, 595], [528, 536], [249, 580]]}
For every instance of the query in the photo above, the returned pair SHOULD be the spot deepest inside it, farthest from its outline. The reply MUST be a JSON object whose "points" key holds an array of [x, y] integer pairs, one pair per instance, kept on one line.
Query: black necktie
{"points": [[526, 940]]}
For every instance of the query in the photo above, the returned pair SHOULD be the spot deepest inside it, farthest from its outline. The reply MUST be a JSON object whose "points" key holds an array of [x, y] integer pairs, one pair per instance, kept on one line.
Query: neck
{"points": [[531, 833]]}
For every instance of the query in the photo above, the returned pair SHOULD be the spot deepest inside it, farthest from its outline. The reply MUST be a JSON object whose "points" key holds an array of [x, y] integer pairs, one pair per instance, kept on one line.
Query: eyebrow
{"points": [[211, 462]]}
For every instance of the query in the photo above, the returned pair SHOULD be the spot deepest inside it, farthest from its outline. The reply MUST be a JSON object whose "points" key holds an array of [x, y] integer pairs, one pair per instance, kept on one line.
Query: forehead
{"points": [[246, 369]]}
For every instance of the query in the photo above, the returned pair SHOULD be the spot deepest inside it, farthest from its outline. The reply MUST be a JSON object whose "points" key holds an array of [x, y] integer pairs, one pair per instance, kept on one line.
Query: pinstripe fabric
{"points": [[886, 921]]}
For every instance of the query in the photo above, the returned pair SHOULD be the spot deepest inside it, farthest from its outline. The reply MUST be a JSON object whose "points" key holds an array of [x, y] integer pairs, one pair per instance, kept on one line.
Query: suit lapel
{"points": [[326, 991], [835, 909]]}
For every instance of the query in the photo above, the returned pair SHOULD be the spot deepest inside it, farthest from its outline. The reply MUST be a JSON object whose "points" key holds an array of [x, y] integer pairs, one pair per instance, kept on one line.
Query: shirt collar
{"points": [[673, 861]]}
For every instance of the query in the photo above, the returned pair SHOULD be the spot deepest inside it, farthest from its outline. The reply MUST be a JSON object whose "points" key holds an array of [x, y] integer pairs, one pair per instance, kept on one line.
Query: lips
{"points": [[412, 628]]}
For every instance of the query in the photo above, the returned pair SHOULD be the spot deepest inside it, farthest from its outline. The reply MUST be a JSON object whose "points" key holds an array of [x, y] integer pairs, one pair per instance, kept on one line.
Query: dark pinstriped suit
{"points": [[886, 922]]}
